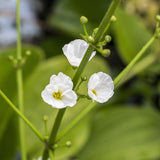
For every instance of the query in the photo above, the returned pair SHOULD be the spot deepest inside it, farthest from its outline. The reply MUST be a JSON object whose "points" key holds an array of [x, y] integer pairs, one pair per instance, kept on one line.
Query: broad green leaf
{"points": [[36, 108], [53, 45], [9, 140], [8, 86], [130, 35], [68, 12], [123, 133]]}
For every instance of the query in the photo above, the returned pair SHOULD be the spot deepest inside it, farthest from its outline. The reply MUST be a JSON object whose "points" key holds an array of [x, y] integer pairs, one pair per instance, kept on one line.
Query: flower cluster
{"points": [[59, 92]]}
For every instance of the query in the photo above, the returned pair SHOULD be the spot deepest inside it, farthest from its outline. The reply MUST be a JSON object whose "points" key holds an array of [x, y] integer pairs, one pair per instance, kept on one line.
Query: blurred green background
{"points": [[127, 127]]}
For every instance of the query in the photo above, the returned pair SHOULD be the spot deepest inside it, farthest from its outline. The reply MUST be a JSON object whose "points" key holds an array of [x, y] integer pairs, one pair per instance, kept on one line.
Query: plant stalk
{"points": [[20, 83], [119, 79], [19, 113]]}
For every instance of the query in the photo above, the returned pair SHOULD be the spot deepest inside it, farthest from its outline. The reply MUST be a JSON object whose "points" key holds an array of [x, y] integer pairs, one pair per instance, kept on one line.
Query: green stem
{"points": [[140, 66], [54, 132], [106, 20], [85, 30], [76, 120], [56, 126], [51, 155], [19, 113], [21, 108], [20, 83], [106, 29], [83, 63], [121, 76]]}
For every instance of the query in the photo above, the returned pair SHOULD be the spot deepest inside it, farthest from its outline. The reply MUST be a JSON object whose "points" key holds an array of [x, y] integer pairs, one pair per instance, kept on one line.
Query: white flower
{"points": [[100, 87], [58, 93], [75, 50]]}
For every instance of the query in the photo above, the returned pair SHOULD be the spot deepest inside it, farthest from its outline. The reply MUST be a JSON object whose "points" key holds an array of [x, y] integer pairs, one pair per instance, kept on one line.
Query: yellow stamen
{"points": [[94, 92], [57, 95]]}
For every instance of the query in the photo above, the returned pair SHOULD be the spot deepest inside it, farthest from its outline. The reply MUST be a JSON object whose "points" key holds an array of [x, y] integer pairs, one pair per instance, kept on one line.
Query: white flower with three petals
{"points": [[100, 87], [75, 50], [58, 93]]}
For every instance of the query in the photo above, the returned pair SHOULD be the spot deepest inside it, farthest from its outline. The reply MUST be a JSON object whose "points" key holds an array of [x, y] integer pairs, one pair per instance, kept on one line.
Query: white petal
{"points": [[62, 81], [58, 104], [92, 95], [93, 81], [92, 55], [103, 85], [70, 98], [75, 50], [47, 94]]}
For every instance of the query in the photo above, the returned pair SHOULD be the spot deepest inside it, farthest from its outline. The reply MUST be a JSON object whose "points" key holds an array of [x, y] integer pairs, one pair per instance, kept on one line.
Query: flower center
{"points": [[57, 95], [94, 92]]}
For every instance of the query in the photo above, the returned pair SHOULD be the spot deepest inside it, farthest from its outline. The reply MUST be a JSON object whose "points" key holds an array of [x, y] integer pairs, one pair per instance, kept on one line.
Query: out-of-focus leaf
{"points": [[68, 12], [36, 108], [123, 133], [9, 140], [52, 46], [8, 85], [130, 35]]}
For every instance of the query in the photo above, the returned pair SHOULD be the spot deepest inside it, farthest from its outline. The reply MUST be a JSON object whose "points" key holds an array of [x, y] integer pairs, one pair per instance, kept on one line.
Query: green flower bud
{"points": [[83, 78], [83, 20], [106, 52], [91, 39], [11, 58], [20, 62], [113, 19], [158, 18], [94, 32], [68, 143], [45, 118], [108, 38], [28, 53]]}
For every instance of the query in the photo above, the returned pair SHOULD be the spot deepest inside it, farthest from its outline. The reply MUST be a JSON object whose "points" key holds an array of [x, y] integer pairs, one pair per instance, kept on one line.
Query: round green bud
{"points": [[91, 39], [158, 18], [83, 20], [83, 78], [113, 19], [108, 38], [11, 58], [20, 62], [106, 52], [28, 53], [45, 118], [95, 31], [68, 143]]}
